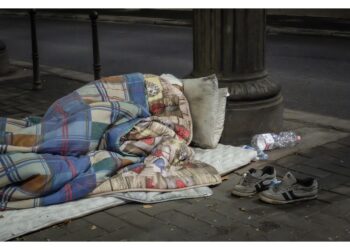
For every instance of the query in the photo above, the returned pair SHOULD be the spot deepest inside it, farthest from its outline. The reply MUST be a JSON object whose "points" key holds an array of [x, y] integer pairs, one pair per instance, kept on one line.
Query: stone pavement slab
{"points": [[106, 221], [18, 100]]}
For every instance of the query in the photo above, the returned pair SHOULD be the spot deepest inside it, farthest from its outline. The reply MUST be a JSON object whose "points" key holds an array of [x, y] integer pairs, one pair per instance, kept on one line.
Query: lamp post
{"points": [[231, 44]]}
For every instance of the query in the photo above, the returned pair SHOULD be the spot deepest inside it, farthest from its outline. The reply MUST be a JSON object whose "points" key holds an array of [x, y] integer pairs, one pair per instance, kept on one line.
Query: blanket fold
{"points": [[116, 134]]}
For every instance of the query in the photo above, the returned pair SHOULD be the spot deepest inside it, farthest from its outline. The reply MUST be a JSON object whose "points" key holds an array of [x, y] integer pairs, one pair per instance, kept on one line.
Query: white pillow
{"points": [[207, 104], [221, 111]]}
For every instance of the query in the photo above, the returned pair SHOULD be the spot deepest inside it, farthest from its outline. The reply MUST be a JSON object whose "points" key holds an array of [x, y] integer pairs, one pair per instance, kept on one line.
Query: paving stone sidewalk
{"points": [[220, 217], [17, 99]]}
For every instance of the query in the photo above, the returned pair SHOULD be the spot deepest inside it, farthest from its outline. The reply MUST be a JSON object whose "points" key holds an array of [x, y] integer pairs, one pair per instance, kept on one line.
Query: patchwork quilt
{"points": [[117, 134]]}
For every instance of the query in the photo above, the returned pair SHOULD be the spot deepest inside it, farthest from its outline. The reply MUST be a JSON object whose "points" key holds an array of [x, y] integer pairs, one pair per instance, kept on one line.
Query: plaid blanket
{"points": [[116, 134]]}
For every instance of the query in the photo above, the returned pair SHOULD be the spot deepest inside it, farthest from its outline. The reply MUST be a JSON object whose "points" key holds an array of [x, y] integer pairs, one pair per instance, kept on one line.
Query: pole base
{"points": [[37, 85], [247, 118], [4, 60]]}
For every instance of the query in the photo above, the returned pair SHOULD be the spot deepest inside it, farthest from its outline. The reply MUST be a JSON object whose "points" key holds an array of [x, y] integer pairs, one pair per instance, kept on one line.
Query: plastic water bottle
{"points": [[270, 141], [260, 155]]}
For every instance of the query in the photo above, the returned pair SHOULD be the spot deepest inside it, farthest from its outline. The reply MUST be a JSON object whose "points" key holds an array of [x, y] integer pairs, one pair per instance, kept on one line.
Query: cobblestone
{"points": [[206, 215], [142, 220], [345, 141], [339, 209], [119, 210], [84, 234], [196, 228], [332, 181], [336, 228], [291, 220], [105, 221], [281, 171], [345, 190], [76, 225], [330, 197], [329, 164], [21, 101], [310, 171], [164, 207], [333, 168], [291, 161], [283, 234], [49, 234], [164, 233], [121, 234], [242, 233]]}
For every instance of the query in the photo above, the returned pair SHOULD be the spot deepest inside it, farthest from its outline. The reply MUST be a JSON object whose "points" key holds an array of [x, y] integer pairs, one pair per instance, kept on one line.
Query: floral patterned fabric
{"points": [[116, 134], [163, 139]]}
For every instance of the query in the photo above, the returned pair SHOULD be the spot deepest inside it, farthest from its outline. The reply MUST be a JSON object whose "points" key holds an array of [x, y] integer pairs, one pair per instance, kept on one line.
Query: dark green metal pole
{"points": [[35, 55], [95, 45]]}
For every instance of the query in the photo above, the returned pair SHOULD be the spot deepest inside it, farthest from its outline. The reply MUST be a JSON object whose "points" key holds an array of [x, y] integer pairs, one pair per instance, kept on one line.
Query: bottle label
{"points": [[269, 141]]}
